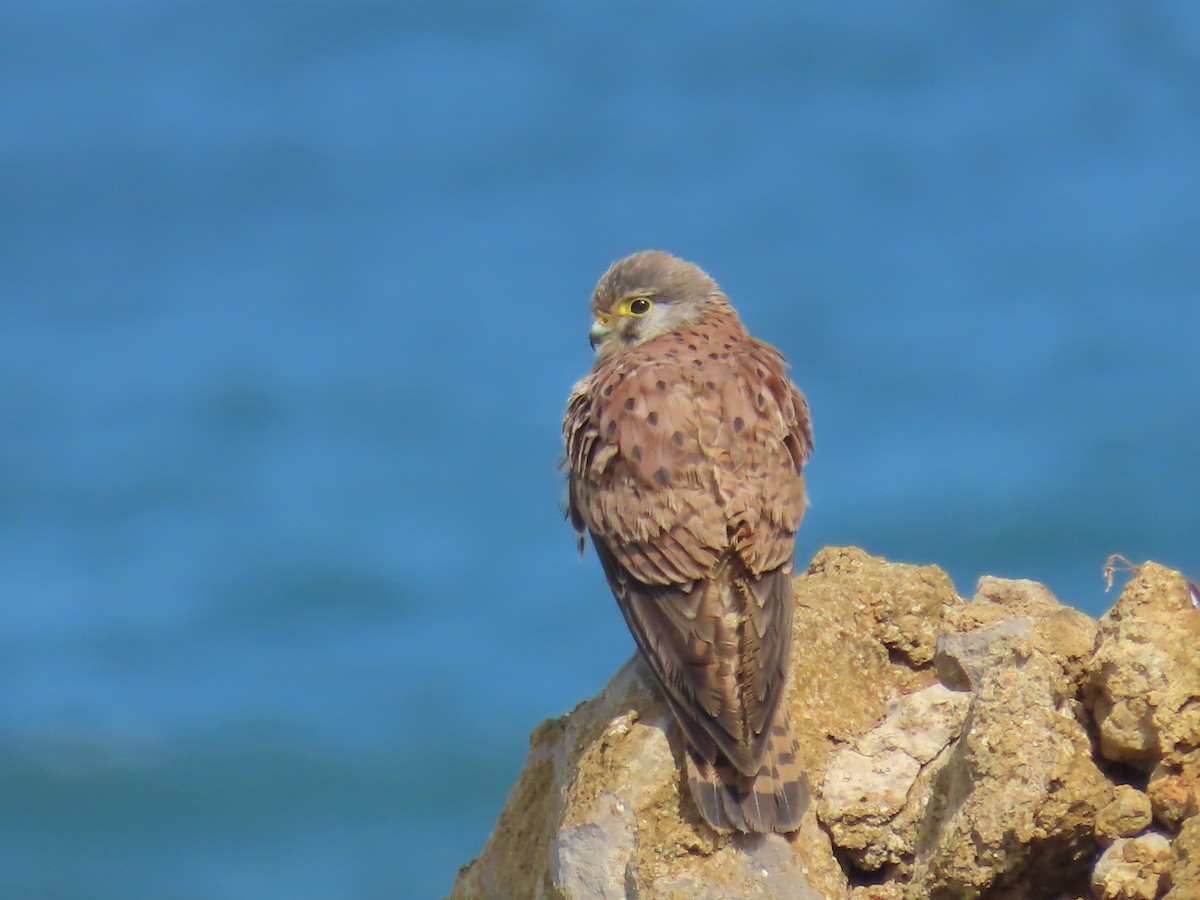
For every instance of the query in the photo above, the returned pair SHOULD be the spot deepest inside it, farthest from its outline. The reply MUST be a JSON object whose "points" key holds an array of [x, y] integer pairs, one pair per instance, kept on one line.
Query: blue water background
{"points": [[291, 296]]}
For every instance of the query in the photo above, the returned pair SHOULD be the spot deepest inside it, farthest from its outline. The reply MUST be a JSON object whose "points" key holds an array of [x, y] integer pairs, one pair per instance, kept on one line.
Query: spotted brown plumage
{"points": [[684, 451]]}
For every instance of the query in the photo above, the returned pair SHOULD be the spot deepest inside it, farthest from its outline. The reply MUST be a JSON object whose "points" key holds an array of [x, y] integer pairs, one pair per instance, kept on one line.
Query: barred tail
{"points": [[774, 800]]}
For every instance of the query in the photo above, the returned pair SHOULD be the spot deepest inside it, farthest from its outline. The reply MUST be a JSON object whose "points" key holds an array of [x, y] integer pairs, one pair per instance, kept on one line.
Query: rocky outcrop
{"points": [[1144, 688], [1007, 747]]}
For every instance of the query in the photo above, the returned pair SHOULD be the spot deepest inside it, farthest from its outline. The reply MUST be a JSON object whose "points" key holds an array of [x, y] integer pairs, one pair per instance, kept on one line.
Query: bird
{"points": [[684, 453]]}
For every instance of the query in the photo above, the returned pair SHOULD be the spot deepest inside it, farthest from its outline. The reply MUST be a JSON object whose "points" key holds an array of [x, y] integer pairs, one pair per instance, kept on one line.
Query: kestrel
{"points": [[684, 451]]}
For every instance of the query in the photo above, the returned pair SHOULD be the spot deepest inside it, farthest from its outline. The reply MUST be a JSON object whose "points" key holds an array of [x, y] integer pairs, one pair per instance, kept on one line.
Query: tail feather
{"points": [[774, 800]]}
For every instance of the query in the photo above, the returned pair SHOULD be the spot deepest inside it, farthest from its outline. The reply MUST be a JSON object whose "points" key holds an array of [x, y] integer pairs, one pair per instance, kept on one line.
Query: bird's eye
{"points": [[639, 306]]}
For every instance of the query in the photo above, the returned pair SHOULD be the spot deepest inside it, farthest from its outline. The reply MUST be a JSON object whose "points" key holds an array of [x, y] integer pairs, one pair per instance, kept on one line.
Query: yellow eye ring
{"points": [[636, 306]]}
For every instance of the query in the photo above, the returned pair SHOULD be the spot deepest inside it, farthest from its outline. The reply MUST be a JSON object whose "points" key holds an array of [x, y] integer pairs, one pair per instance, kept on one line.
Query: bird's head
{"points": [[646, 295]]}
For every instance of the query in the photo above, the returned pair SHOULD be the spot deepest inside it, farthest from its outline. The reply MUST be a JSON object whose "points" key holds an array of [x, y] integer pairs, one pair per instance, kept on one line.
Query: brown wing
{"points": [[723, 679], [763, 480], [684, 466], [636, 474]]}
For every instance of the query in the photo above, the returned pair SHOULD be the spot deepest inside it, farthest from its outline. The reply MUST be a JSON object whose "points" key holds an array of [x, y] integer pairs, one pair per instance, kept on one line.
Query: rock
{"points": [[533, 842], [844, 673], [907, 602], [1126, 815], [1066, 636], [1132, 868], [1174, 789], [1016, 799], [1143, 679], [951, 745], [870, 784], [1183, 876]]}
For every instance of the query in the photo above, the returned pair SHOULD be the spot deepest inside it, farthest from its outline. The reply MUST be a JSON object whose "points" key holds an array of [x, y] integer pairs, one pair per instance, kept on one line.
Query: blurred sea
{"points": [[291, 298]]}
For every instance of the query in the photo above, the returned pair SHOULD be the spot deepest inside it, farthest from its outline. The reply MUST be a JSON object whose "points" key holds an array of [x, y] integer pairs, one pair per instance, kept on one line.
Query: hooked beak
{"points": [[598, 332]]}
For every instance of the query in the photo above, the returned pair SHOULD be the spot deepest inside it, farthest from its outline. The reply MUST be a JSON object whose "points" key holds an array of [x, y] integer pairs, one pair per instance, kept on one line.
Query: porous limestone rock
{"points": [[1173, 789], [1183, 876], [876, 790], [1126, 815], [948, 743], [1015, 803], [1143, 679], [1132, 868]]}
